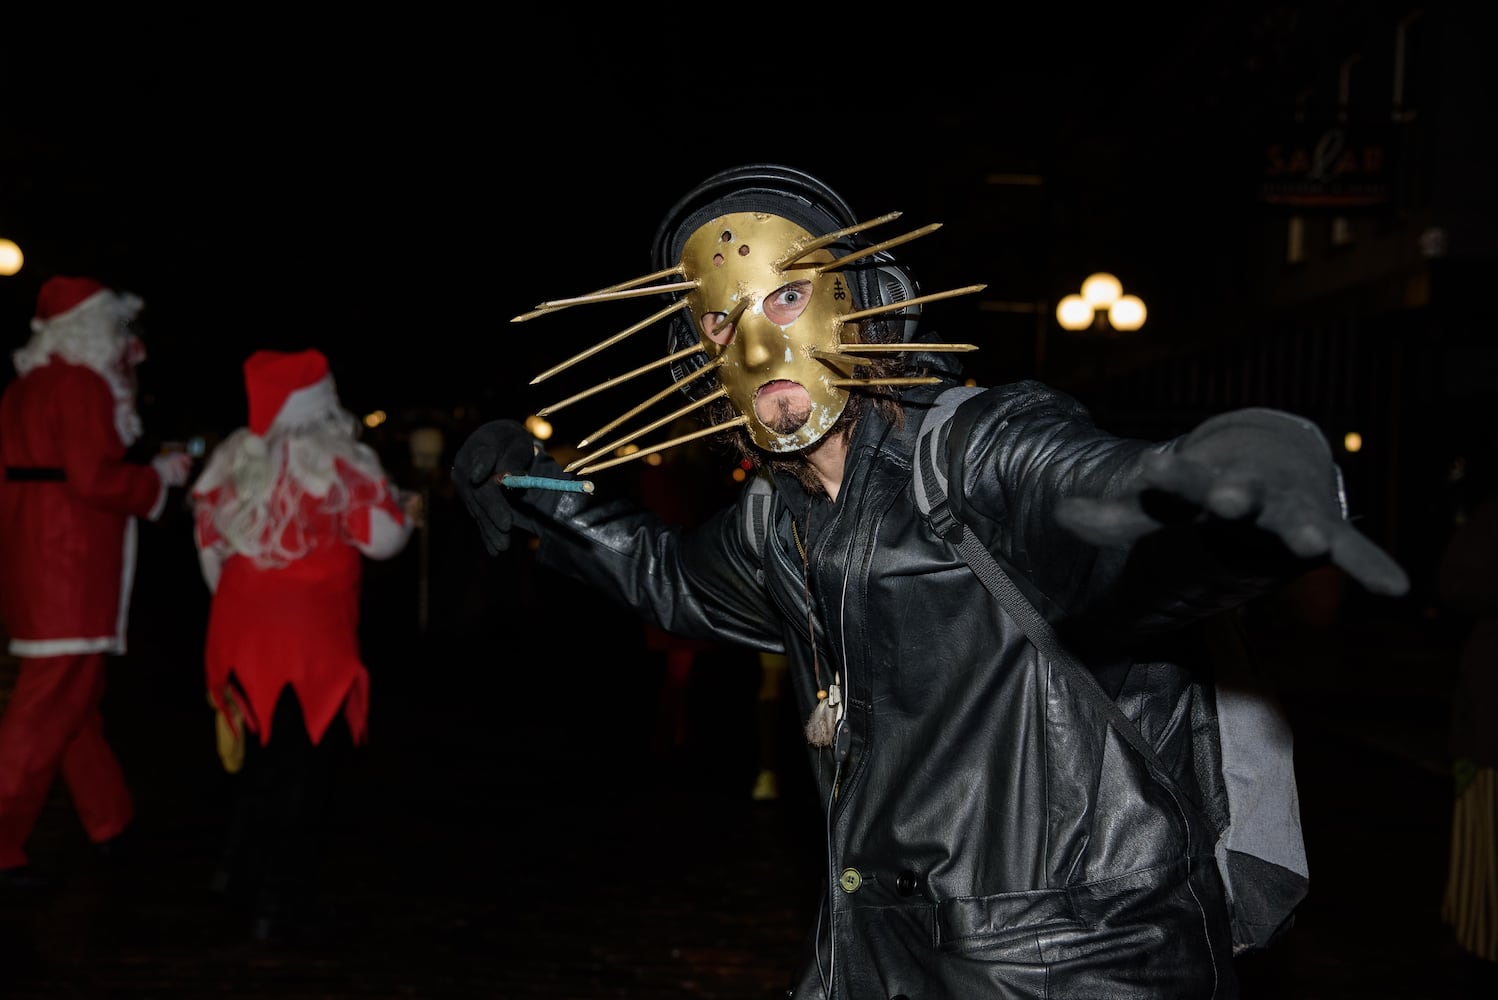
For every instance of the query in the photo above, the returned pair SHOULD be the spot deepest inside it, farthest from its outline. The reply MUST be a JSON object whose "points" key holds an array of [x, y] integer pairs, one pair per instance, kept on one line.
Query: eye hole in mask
{"points": [[710, 324], [780, 307], [787, 302]]}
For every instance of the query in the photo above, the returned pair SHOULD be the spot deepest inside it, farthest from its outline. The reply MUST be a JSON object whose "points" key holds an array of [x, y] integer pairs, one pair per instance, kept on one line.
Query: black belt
{"points": [[35, 474]]}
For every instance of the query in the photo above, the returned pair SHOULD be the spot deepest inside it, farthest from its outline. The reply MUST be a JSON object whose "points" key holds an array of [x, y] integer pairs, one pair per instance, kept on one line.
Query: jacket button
{"points": [[850, 880], [905, 883]]}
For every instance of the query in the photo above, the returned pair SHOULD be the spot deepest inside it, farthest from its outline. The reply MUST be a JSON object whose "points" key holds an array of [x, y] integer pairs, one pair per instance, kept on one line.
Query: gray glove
{"points": [[1261, 466], [497, 448]]}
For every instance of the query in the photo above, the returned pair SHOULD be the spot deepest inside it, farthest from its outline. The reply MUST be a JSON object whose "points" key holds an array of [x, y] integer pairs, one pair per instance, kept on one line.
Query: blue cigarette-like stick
{"points": [[545, 483]]}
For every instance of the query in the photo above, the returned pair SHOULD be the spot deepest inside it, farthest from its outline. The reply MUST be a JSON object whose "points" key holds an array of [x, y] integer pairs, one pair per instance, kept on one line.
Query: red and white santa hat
{"points": [[64, 294], [66, 299], [287, 389]]}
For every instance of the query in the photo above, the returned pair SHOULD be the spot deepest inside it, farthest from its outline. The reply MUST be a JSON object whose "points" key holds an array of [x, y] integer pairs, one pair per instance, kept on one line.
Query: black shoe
{"points": [[24, 878]]}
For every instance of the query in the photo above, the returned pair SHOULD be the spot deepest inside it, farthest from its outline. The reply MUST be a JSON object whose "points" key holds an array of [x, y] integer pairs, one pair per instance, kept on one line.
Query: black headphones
{"points": [[877, 280]]}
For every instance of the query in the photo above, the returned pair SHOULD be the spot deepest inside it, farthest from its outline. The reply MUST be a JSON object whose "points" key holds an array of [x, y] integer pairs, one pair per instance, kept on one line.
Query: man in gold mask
{"points": [[991, 831]]}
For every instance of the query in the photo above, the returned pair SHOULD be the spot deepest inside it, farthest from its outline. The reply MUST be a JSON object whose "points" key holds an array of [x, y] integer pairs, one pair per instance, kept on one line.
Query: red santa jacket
{"points": [[294, 619], [68, 505]]}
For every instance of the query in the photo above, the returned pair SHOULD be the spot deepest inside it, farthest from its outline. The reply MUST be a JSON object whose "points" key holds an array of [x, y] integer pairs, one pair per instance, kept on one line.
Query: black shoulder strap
{"points": [[932, 497]]}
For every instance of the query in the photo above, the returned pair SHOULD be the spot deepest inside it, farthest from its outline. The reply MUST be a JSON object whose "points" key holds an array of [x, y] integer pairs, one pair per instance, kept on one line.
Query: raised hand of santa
{"points": [[173, 467]]}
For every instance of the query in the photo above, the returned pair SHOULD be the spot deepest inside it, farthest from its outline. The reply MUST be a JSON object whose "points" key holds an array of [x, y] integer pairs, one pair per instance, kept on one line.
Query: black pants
{"points": [[282, 797]]}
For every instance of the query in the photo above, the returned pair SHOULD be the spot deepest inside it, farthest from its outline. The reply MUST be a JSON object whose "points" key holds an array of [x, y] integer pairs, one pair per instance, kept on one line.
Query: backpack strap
{"points": [[754, 509], [931, 493], [1259, 848], [926, 497]]}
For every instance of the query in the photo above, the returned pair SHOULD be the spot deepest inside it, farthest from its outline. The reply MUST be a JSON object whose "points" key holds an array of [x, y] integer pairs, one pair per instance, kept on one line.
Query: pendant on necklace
{"points": [[824, 718]]}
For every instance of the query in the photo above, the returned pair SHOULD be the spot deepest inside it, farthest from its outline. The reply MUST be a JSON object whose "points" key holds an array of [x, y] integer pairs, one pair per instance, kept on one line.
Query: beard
{"points": [[784, 412]]}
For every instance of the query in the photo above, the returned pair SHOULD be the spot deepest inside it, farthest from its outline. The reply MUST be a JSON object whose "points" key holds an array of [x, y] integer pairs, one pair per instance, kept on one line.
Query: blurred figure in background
{"points": [[772, 671], [285, 511], [1468, 583], [69, 501], [672, 485]]}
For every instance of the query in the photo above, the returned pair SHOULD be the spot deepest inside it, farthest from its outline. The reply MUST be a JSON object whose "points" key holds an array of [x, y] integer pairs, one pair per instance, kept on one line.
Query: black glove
{"points": [[1263, 466], [498, 448]]}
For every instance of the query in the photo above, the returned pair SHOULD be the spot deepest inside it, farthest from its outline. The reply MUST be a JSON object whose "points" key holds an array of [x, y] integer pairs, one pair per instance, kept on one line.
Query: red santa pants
{"points": [[53, 722]]}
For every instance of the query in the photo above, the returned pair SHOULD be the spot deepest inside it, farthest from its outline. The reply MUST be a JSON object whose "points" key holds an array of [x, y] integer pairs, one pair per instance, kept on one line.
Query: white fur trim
{"points": [[159, 505], [93, 304], [211, 562], [127, 584], [38, 648], [306, 405], [386, 535]]}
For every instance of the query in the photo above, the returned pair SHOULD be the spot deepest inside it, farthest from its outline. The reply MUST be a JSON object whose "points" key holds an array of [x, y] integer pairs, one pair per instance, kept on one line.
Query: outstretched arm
{"points": [[1258, 467], [702, 583]]}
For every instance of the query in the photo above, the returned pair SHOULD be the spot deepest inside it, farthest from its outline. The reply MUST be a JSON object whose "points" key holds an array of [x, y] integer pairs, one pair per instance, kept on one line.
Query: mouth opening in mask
{"points": [[782, 405]]}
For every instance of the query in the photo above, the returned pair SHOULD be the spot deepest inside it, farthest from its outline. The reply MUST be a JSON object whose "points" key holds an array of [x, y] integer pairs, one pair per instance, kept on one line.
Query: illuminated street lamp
{"points": [[1102, 304], [11, 257]]}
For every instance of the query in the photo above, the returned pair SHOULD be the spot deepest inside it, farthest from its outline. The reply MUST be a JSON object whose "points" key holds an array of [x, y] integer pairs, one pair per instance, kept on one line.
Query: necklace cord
{"points": [[816, 671]]}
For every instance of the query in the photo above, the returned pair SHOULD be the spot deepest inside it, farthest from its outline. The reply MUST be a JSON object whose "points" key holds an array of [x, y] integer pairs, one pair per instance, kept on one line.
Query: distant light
{"points": [[654, 458], [1102, 305], [539, 427], [1073, 313], [628, 449], [11, 258], [374, 419], [1101, 290], [426, 445], [739, 475], [1127, 314], [1352, 441]]}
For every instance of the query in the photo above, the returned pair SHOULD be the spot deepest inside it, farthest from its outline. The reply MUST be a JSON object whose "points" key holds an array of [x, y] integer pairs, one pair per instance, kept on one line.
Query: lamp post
{"points": [[1101, 306]]}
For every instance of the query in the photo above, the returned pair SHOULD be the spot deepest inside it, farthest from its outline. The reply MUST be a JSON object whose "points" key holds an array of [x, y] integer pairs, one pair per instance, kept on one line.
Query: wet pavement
{"points": [[518, 826]]}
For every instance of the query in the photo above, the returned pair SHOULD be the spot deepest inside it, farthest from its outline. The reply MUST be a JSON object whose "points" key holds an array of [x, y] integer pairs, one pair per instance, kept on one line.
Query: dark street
{"points": [[517, 828], [1301, 192]]}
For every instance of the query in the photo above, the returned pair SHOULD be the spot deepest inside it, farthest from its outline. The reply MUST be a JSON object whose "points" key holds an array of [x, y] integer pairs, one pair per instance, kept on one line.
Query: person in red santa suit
{"points": [[69, 502], [284, 511]]}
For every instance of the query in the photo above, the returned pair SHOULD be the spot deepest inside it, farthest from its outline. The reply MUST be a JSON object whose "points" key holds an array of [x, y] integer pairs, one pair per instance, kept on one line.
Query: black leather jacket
{"points": [[990, 835]]}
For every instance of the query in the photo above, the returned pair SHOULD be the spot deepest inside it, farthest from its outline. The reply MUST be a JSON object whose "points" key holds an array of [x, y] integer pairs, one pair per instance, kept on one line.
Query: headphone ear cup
{"points": [[679, 336], [893, 285]]}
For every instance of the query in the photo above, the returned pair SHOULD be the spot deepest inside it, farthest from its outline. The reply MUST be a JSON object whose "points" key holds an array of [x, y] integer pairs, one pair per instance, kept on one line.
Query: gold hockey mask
{"points": [[762, 321], [775, 322]]}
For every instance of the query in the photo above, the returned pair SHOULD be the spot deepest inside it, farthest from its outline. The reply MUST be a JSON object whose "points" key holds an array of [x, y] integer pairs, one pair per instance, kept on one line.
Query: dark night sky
{"points": [[394, 191]]}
